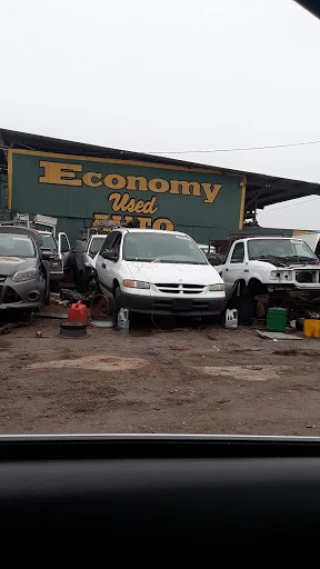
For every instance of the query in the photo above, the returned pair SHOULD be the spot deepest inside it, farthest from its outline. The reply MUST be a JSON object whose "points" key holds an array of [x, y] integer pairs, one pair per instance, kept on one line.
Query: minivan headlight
{"points": [[216, 287], [136, 284], [25, 275]]}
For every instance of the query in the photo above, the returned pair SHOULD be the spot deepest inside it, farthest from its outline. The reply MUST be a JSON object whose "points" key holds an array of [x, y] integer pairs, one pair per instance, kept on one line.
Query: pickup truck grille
{"points": [[176, 288], [307, 276]]}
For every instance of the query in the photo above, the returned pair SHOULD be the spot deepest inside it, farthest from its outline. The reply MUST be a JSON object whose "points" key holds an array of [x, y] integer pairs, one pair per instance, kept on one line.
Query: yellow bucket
{"points": [[311, 328], [316, 328]]}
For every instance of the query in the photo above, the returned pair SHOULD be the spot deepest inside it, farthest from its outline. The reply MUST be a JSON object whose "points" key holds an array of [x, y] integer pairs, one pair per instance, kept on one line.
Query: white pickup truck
{"points": [[272, 265]]}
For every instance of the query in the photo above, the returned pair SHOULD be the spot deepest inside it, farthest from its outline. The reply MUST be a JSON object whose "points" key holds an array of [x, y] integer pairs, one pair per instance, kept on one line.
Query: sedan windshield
{"points": [[16, 246], [286, 249], [162, 247]]}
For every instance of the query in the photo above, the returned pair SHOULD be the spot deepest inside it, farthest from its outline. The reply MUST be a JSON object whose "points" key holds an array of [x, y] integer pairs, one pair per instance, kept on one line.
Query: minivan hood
{"points": [[10, 265], [173, 273]]}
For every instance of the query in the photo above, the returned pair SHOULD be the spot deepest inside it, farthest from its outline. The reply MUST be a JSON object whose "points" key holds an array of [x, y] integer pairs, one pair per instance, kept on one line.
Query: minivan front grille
{"points": [[176, 288], [185, 306]]}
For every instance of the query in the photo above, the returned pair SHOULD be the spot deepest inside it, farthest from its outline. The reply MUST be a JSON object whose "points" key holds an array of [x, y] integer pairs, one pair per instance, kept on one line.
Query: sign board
{"points": [[75, 189]]}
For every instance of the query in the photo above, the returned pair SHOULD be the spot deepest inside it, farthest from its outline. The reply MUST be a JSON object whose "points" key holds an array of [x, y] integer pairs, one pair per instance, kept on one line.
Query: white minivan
{"points": [[159, 272]]}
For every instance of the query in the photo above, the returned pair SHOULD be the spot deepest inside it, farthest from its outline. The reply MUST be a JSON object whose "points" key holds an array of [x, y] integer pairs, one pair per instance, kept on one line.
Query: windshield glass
{"points": [[48, 241], [280, 248], [96, 245], [162, 247], [16, 246], [150, 179]]}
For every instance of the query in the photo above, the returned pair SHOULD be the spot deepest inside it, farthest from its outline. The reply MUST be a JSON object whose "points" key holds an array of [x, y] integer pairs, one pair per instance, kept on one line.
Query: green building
{"points": [[80, 184]]}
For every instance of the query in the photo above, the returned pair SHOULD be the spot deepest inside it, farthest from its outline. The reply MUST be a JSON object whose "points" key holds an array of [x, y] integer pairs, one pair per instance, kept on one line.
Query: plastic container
{"points": [[231, 319], [311, 328], [316, 329], [277, 319], [308, 328], [78, 313], [123, 319]]}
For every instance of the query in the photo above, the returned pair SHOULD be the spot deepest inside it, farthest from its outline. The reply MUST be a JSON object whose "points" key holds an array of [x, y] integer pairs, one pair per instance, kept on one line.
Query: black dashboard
{"points": [[192, 486]]}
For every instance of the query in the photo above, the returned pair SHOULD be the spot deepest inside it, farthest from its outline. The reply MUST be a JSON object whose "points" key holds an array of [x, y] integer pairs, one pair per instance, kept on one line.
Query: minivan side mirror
{"points": [[111, 255]]}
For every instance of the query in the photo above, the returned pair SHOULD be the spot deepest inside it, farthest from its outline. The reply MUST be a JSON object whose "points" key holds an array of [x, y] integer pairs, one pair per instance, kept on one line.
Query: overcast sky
{"points": [[171, 75]]}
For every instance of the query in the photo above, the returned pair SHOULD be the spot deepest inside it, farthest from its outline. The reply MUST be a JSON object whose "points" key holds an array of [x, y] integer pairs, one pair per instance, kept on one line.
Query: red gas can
{"points": [[78, 313]]}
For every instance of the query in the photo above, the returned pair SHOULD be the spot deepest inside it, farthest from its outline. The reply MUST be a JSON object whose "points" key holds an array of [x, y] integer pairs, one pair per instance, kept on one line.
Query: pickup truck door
{"points": [[64, 251], [234, 266], [106, 269]]}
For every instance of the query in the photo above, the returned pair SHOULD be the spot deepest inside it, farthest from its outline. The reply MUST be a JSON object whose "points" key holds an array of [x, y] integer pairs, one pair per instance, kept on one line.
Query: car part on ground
{"points": [[73, 330], [74, 295]]}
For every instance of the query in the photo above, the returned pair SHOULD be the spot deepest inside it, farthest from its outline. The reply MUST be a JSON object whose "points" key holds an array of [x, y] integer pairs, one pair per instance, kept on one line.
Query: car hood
{"points": [[173, 273], [286, 265], [10, 265]]}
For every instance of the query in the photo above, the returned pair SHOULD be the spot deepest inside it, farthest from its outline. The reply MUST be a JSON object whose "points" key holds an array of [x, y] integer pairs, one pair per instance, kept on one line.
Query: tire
{"points": [[118, 300], [26, 316], [46, 275], [256, 288], [47, 294], [243, 291], [246, 309], [54, 286]]}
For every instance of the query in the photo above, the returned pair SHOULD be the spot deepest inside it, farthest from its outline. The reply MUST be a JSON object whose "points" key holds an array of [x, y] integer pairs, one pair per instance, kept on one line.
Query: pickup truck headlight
{"points": [[280, 275], [217, 287], [136, 284], [25, 275]]}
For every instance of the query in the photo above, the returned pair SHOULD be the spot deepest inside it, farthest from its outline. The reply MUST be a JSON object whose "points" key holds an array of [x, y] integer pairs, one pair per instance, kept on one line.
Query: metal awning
{"points": [[262, 190]]}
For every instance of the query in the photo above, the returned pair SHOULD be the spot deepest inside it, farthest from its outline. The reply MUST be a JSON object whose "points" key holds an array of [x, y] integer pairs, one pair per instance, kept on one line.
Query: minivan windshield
{"points": [[287, 249], [162, 247], [16, 246]]}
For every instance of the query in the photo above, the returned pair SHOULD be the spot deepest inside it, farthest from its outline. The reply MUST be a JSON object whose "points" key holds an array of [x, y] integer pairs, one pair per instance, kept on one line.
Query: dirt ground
{"points": [[191, 380]]}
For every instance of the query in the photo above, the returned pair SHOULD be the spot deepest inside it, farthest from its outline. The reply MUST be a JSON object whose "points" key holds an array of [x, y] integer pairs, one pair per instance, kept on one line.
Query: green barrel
{"points": [[277, 319]]}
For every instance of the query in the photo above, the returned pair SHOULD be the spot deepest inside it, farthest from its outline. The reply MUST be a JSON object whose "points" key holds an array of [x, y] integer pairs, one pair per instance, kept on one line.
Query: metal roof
{"points": [[262, 190]]}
